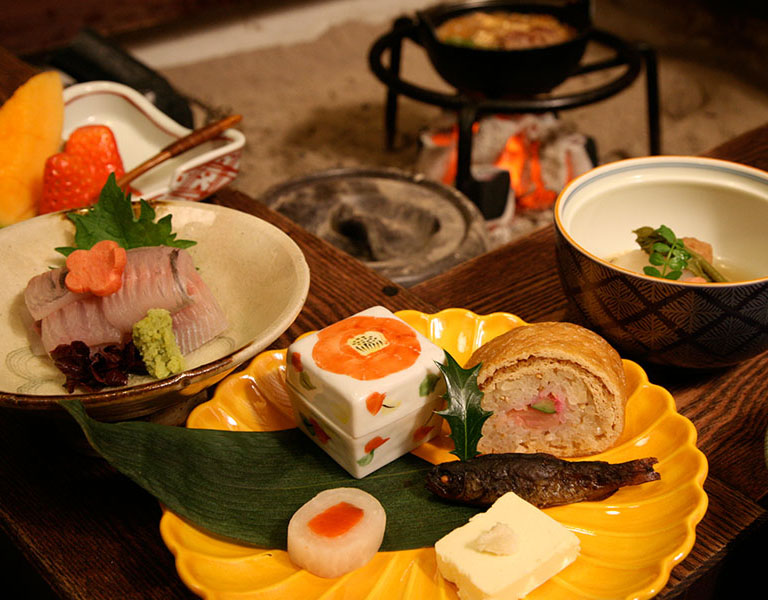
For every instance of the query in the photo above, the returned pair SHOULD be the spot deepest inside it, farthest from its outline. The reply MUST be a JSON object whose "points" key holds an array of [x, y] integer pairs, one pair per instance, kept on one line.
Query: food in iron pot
{"points": [[337, 531], [504, 30], [552, 387]]}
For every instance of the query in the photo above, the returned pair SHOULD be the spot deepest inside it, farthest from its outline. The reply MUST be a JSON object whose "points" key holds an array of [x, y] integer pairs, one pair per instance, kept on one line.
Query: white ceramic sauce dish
{"points": [[142, 130], [673, 323]]}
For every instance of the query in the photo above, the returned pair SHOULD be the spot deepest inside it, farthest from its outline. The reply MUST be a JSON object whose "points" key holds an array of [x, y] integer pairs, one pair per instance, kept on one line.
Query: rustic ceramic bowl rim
{"points": [[638, 164]]}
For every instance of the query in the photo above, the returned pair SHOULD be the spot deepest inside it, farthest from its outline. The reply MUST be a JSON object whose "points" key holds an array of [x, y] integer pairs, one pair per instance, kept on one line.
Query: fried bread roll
{"points": [[552, 387]]}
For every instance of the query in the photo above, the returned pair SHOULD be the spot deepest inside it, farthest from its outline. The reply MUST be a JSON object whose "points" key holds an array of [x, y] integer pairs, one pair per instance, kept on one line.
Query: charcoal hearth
{"points": [[541, 153], [625, 61]]}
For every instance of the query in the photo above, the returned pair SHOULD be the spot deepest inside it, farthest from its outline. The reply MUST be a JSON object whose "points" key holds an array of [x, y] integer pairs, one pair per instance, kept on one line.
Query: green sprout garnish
{"points": [[670, 256], [666, 251]]}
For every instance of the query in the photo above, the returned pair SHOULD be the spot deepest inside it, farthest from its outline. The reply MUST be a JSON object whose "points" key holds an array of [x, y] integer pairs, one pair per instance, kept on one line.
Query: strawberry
{"points": [[68, 182], [97, 142], [74, 178]]}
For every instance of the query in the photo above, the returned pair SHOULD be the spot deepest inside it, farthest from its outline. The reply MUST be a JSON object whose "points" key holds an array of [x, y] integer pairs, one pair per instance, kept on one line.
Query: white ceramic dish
{"points": [[142, 130], [723, 203], [685, 324], [257, 273]]}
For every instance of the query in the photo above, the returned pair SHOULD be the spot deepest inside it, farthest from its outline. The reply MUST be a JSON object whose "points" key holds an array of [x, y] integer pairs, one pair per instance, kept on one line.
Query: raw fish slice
{"points": [[201, 321], [83, 320], [47, 293], [154, 277]]}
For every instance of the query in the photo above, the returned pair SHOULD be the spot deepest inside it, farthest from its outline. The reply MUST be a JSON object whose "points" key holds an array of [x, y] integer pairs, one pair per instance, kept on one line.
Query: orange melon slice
{"points": [[30, 131]]}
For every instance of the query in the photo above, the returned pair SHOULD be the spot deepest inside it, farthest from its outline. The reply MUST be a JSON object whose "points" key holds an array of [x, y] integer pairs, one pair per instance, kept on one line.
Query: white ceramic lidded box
{"points": [[365, 389]]}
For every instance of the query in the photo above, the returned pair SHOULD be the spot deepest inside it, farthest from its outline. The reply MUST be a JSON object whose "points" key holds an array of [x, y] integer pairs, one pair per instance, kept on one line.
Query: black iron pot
{"points": [[497, 73]]}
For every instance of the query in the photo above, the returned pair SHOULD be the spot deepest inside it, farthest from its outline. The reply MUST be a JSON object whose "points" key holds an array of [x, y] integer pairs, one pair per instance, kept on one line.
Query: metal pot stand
{"points": [[490, 195]]}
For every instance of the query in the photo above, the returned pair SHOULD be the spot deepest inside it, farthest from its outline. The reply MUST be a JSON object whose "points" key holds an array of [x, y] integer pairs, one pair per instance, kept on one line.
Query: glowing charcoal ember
{"points": [[366, 388]]}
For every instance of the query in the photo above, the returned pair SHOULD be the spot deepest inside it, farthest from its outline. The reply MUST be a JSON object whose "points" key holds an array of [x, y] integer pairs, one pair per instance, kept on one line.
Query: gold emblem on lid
{"points": [[368, 342]]}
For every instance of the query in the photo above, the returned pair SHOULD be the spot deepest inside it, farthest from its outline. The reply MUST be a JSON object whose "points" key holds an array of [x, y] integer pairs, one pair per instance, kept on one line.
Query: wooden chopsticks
{"points": [[195, 138]]}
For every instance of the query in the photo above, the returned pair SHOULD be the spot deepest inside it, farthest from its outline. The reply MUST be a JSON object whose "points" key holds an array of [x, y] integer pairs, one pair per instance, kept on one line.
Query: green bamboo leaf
{"points": [[246, 485]]}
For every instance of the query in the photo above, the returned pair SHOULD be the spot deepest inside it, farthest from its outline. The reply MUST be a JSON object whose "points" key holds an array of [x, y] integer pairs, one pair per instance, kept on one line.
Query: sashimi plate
{"points": [[257, 273], [629, 542]]}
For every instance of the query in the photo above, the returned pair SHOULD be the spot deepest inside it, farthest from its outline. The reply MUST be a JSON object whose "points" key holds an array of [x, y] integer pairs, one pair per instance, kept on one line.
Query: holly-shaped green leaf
{"points": [[112, 218], [464, 413]]}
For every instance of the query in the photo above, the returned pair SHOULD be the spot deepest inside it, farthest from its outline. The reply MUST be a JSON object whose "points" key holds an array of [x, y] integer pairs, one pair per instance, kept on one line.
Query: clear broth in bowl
{"points": [[634, 260]]}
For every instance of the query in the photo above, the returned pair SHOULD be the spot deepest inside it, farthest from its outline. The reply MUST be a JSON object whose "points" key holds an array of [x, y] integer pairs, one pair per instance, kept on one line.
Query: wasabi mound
{"points": [[153, 336]]}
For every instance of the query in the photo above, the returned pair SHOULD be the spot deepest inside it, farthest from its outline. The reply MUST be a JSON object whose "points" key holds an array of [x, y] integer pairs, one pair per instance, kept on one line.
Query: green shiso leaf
{"points": [[464, 413], [246, 485], [112, 218]]}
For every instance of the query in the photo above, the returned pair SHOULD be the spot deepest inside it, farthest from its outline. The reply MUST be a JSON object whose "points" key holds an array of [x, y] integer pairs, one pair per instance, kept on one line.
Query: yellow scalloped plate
{"points": [[629, 542]]}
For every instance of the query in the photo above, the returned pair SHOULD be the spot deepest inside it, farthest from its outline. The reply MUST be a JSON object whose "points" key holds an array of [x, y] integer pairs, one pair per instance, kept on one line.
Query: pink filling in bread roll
{"points": [[553, 387]]}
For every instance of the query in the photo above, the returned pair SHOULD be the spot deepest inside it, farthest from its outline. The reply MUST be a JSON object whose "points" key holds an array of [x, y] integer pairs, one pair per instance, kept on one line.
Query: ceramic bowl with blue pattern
{"points": [[684, 324]]}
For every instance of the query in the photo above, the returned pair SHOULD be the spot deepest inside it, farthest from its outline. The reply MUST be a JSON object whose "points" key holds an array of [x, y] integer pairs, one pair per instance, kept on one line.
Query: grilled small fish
{"points": [[541, 479]]}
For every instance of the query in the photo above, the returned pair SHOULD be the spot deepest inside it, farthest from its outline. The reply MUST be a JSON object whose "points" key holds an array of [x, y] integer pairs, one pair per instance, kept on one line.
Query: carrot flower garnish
{"points": [[98, 270]]}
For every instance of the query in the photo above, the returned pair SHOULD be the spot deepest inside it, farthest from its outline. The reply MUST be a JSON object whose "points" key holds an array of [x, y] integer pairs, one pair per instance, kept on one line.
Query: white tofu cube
{"points": [[537, 549]]}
